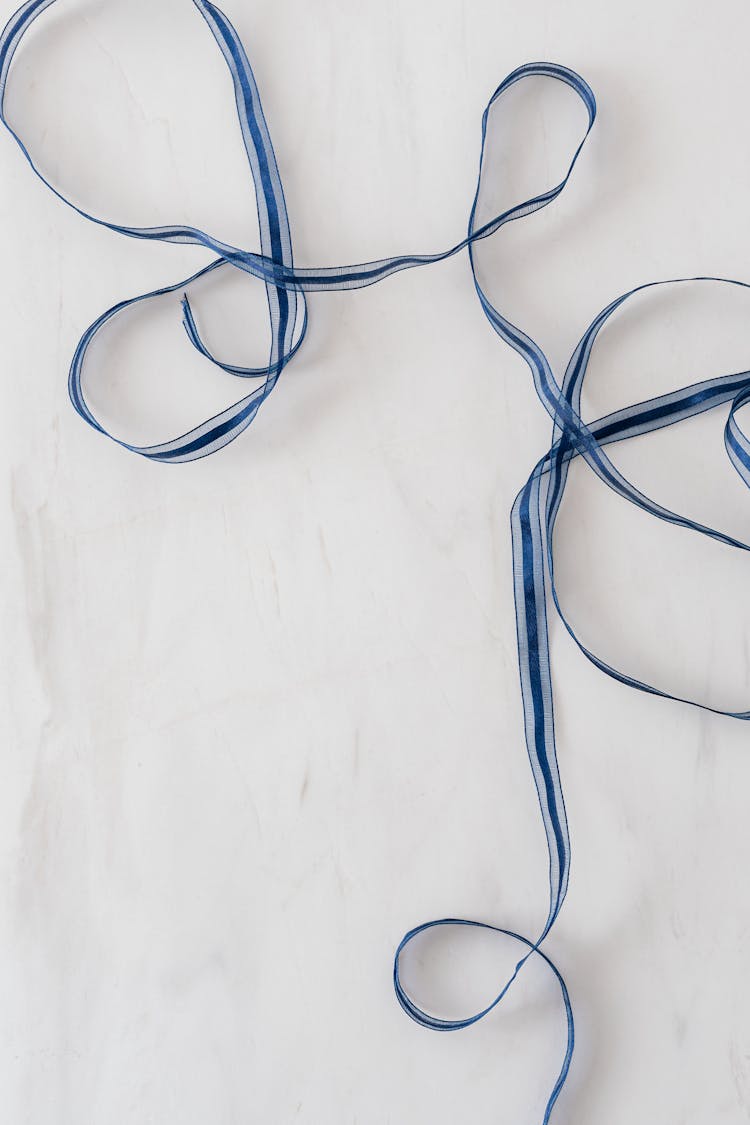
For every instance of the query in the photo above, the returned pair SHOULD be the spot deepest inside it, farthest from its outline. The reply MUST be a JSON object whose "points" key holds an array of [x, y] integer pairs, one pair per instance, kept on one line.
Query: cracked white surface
{"points": [[261, 713]]}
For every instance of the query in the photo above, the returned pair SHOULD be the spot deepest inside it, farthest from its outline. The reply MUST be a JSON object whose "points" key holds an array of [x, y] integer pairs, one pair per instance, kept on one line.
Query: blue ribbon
{"points": [[537, 505]]}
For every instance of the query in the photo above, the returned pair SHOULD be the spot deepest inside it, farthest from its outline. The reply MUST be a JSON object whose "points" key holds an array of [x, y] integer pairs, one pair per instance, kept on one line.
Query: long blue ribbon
{"points": [[537, 505]]}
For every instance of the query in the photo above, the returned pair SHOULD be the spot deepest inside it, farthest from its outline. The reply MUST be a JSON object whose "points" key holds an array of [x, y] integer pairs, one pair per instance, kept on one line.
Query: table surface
{"points": [[262, 711]]}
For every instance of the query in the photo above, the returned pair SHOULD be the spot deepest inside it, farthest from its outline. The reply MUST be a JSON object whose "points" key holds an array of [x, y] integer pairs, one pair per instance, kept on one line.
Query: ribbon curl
{"points": [[537, 505]]}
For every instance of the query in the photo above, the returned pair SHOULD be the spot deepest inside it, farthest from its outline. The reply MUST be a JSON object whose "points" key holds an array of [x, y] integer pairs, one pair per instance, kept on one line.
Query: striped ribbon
{"points": [[537, 505]]}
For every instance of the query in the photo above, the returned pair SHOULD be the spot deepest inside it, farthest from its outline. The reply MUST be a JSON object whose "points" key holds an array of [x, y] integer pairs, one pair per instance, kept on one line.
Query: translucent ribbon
{"points": [[537, 505]]}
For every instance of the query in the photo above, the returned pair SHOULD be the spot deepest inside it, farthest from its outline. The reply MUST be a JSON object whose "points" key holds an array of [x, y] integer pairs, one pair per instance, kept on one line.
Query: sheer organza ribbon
{"points": [[537, 505]]}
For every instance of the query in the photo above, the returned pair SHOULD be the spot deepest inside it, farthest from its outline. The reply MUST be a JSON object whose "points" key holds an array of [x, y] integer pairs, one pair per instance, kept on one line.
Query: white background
{"points": [[262, 712]]}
